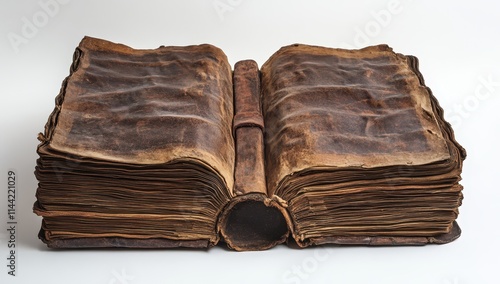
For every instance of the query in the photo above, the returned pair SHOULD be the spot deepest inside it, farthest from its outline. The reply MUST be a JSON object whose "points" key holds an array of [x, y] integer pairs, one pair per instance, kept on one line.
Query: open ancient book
{"points": [[170, 147]]}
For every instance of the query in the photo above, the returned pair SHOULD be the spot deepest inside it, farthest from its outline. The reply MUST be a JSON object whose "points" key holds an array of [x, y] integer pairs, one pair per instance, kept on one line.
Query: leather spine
{"points": [[251, 220]]}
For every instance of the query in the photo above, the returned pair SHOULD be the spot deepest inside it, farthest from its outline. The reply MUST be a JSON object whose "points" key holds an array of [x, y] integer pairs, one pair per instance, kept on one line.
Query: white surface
{"points": [[458, 47]]}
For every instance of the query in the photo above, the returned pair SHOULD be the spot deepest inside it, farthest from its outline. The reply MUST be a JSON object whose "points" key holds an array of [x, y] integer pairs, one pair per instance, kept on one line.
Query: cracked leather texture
{"points": [[139, 147], [357, 145], [168, 148]]}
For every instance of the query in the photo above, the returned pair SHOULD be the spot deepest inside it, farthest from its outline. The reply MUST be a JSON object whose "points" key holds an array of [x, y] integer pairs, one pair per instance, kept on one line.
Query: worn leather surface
{"points": [[248, 129], [251, 220], [145, 150], [357, 145], [342, 108], [139, 147], [120, 103]]}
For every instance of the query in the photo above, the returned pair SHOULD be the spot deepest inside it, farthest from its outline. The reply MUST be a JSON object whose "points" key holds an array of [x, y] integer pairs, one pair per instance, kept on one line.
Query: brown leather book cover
{"points": [[358, 147], [139, 148], [168, 147]]}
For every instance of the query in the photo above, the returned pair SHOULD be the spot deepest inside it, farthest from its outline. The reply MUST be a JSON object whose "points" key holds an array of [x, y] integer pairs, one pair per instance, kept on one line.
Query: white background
{"points": [[457, 43]]}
